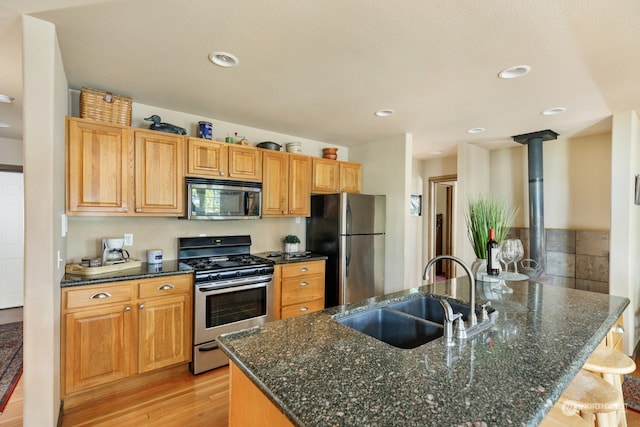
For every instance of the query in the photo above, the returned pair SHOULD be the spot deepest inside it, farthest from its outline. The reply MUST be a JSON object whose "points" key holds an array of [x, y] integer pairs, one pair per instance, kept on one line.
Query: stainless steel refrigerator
{"points": [[350, 230]]}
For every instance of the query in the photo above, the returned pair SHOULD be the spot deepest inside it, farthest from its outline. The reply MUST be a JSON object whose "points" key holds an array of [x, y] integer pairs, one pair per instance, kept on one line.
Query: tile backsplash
{"points": [[574, 258]]}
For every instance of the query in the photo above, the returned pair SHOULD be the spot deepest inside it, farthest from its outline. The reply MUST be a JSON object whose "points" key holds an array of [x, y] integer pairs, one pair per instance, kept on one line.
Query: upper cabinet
{"points": [[97, 167], [115, 170], [213, 159], [332, 176], [286, 184], [159, 173]]}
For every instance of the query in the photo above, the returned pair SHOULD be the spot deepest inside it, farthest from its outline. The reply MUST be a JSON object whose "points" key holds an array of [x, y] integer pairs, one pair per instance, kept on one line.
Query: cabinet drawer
{"points": [[165, 286], [303, 308], [98, 295], [300, 289], [302, 268]]}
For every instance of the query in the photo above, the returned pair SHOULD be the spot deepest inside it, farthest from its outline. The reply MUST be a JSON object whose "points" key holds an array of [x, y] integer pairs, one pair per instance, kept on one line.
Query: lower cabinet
{"points": [[114, 331], [260, 412], [299, 288]]}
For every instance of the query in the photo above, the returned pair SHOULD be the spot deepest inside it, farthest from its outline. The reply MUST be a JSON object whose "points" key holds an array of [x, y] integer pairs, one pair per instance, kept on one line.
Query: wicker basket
{"points": [[105, 106]]}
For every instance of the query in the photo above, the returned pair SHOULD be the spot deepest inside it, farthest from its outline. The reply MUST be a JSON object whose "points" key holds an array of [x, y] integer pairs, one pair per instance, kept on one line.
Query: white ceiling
{"points": [[320, 69]]}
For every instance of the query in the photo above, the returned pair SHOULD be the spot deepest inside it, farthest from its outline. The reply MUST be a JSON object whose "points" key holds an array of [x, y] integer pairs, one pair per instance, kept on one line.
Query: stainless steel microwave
{"points": [[221, 199]]}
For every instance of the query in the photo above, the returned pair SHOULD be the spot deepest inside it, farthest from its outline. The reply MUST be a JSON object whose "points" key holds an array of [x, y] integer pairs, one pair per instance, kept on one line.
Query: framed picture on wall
{"points": [[416, 205]]}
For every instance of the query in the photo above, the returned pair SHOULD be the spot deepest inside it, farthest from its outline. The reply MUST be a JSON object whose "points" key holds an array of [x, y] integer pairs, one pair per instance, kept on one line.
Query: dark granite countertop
{"points": [[145, 271], [284, 258], [321, 373]]}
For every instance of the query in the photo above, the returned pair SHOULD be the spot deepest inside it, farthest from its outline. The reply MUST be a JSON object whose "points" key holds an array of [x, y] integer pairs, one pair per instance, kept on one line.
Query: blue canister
{"points": [[205, 130]]}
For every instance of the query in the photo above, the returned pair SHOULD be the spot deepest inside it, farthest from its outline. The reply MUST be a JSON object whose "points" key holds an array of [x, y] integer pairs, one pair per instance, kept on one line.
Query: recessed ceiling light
{"points": [[552, 111], [435, 152], [476, 130], [513, 72], [385, 113], [6, 98], [4, 125], [224, 59]]}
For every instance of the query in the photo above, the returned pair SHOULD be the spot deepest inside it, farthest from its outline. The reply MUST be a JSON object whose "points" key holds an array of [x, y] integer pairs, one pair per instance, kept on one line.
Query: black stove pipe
{"points": [[536, 192]]}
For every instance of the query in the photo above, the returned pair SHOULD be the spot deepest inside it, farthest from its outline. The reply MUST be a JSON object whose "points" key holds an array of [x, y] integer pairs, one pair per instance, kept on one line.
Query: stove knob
{"points": [[238, 273]]}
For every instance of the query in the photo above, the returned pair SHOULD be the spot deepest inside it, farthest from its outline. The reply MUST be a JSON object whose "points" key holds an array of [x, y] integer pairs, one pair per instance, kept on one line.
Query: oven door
{"points": [[231, 305]]}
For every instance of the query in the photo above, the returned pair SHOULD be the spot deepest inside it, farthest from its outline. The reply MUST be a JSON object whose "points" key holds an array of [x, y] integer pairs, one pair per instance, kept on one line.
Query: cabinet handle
{"points": [[165, 287], [304, 283], [140, 306], [221, 173], [230, 174], [304, 308], [124, 209], [101, 295], [127, 308], [138, 210], [304, 269]]}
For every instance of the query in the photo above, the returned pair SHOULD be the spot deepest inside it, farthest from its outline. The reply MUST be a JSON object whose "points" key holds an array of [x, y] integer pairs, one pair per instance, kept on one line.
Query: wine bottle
{"points": [[493, 267]]}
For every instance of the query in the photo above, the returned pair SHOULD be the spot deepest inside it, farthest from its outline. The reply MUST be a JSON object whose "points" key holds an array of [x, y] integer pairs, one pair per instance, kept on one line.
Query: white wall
{"points": [[577, 182], [624, 270], [10, 151], [45, 105], [387, 170]]}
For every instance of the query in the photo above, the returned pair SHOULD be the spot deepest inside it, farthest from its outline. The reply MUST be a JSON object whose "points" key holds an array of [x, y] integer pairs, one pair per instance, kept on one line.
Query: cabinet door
{"points": [[245, 163], [275, 179], [326, 175], [97, 167], [351, 177], [98, 347], [159, 172], [299, 185], [164, 332], [207, 158]]}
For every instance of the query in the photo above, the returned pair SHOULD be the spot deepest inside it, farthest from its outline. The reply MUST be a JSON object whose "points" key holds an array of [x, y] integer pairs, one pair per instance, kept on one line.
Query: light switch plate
{"points": [[128, 239]]}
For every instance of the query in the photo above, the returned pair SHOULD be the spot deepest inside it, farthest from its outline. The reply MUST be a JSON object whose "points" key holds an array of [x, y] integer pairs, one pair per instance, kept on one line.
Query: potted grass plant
{"points": [[291, 242], [483, 214]]}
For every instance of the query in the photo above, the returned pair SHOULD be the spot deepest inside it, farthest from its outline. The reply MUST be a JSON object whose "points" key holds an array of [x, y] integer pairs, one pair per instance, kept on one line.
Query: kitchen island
{"points": [[318, 372]]}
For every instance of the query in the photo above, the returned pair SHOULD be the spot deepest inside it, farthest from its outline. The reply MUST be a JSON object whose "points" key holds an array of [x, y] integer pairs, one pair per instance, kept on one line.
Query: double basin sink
{"points": [[404, 324]]}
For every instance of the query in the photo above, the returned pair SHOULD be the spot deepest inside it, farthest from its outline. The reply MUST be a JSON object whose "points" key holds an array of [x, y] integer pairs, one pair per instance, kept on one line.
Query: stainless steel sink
{"points": [[393, 327], [429, 308], [405, 324]]}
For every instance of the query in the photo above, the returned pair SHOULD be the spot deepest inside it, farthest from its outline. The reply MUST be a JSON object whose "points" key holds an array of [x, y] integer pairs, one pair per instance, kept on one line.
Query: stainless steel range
{"points": [[233, 291]]}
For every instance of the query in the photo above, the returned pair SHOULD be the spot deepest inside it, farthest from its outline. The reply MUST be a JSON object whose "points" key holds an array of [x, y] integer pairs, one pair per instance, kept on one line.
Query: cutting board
{"points": [[90, 271]]}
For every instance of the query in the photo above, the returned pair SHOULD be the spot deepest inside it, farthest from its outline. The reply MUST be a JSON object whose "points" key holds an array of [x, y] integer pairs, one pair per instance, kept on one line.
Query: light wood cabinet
{"points": [[286, 184], [114, 331], [299, 288], [220, 160], [332, 176], [159, 173], [116, 170], [261, 411], [97, 167]]}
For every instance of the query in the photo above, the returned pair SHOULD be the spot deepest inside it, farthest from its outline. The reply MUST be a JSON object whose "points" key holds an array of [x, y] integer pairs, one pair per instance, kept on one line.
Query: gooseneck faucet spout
{"points": [[473, 319]]}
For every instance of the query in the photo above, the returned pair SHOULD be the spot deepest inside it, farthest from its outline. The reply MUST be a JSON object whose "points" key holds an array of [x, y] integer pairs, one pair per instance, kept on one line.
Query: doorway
{"points": [[441, 242], [11, 237]]}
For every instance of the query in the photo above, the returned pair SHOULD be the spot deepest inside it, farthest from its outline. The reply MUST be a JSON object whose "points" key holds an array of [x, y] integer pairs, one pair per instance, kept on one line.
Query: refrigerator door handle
{"points": [[348, 232]]}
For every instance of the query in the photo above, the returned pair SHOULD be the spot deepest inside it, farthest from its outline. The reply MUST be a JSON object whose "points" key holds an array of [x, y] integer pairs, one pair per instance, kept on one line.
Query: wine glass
{"points": [[519, 253]]}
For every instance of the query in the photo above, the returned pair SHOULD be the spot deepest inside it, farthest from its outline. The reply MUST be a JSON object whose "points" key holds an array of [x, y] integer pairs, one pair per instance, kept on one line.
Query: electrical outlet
{"points": [[128, 239]]}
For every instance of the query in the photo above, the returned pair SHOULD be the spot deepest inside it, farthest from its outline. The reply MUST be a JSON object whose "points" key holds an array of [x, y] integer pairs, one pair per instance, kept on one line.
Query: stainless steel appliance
{"points": [[233, 291], [350, 230], [221, 199]]}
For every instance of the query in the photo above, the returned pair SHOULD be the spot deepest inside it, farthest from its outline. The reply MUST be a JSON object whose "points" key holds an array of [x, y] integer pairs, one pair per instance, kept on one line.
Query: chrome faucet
{"points": [[473, 327]]}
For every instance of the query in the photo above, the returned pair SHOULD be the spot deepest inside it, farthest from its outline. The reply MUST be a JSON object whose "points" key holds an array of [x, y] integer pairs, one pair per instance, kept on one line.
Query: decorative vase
{"points": [[290, 248], [330, 153], [479, 268]]}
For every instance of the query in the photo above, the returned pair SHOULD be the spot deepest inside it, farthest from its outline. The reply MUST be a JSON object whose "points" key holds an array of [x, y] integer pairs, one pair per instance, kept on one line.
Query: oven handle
{"points": [[229, 286]]}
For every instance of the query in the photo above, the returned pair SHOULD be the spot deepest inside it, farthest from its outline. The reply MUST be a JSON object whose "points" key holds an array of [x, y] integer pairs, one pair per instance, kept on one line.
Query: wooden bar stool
{"points": [[593, 398], [612, 365], [557, 417]]}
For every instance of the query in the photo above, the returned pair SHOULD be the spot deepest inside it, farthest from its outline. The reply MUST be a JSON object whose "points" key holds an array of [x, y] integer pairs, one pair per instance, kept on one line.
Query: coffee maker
{"points": [[112, 252]]}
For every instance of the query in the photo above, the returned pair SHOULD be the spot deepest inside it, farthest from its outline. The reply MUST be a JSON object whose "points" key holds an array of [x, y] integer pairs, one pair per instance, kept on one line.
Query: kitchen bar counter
{"points": [[321, 373], [145, 271]]}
